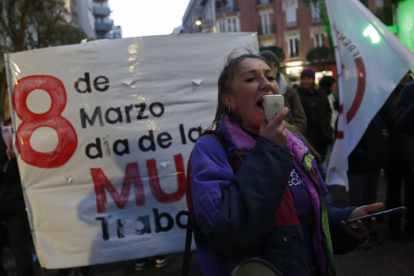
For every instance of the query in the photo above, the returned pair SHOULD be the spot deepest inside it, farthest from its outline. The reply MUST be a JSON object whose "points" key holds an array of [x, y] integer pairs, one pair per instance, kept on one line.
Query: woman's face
{"points": [[306, 82], [252, 80]]}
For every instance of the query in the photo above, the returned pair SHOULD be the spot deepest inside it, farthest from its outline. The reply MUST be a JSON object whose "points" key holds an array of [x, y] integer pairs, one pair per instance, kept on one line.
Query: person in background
{"points": [[326, 86], [296, 116], [318, 114], [13, 209], [364, 166], [404, 122], [399, 149], [253, 188], [295, 87]]}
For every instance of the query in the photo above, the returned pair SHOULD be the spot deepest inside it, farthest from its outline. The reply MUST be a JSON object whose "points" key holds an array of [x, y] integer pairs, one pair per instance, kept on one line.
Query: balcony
{"points": [[228, 9], [221, 8], [264, 2], [266, 30], [316, 19], [291, 24], [101, 11], [208, 25], [104, 26]]}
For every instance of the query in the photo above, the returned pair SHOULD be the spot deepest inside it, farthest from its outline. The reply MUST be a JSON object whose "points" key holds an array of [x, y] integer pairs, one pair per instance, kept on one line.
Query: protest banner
{"points": [[371, 61], [104, 132]]}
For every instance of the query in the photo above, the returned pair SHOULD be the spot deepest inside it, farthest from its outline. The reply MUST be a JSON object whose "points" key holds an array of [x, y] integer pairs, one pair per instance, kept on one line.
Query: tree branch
{"points": [[3, 23]]}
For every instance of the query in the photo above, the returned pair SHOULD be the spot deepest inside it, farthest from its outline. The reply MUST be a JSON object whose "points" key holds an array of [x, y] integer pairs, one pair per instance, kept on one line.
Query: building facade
{"points": [[191, 15], [81, 15], [288, 24], [93, 17], [103, 21], [116, 32], [402, 21], [292, 25]]}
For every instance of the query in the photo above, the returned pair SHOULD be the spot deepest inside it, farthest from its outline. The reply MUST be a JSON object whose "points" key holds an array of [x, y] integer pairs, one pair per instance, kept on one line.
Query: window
{"points": [[290, 6], [293, 47], [207, 14], [292, 39], [266, 26], [221, 26], [315, 13], [232, 25], [230, 5], [318, 40], [228, 25], [291, 17]]}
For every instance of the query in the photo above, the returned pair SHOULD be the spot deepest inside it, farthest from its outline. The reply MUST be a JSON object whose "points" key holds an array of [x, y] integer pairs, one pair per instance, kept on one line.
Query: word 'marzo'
{"points": [[114, 115]]}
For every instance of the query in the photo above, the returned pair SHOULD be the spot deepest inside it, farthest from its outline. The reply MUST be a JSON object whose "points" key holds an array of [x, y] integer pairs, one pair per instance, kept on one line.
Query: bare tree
{"points": [[31, 24]]}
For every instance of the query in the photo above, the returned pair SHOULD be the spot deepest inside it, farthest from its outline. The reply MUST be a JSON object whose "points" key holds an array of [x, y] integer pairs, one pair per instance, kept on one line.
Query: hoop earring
{"points": [[229, 110]]}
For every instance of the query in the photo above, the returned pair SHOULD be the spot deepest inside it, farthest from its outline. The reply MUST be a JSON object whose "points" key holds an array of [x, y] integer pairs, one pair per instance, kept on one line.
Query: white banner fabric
{"points": [[104, 132], [371, 61]]}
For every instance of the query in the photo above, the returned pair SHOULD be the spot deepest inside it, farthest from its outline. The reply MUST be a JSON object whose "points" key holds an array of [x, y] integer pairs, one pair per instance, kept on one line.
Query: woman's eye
{"points": [[270, 78], [250, 80]]}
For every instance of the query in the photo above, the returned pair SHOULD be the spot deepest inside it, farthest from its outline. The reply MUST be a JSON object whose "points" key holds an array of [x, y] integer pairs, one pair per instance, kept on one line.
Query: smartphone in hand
{"points": [[378, 215]]}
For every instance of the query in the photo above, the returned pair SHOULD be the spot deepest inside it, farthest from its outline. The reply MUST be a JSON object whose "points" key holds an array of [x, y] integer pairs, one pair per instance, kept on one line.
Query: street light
{"points": [[198, 23]]}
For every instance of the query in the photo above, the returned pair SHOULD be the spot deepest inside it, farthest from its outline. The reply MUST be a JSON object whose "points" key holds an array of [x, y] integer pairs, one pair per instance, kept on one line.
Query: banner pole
{"points": [[9, 85]]}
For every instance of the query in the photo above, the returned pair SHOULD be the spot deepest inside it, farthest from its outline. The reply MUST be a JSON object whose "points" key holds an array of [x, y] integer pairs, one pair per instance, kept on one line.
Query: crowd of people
{"points": [[14, 223], [256, 188], [387, 145]]}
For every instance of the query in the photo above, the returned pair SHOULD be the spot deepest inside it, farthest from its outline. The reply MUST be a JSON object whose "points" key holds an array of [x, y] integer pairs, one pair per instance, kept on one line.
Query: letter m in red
{"points": [[101, 182]]}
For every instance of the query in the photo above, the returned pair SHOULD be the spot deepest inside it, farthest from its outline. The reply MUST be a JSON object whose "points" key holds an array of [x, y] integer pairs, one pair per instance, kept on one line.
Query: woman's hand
{"points": [[359, 230], [275, 129]]}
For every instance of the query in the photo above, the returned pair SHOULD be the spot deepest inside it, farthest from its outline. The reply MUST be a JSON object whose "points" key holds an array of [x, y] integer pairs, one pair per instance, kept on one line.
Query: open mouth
{"points": [[260, 104]]}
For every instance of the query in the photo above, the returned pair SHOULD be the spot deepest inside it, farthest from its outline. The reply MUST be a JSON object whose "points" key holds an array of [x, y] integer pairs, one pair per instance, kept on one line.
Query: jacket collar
{"points": [[243, 142]]}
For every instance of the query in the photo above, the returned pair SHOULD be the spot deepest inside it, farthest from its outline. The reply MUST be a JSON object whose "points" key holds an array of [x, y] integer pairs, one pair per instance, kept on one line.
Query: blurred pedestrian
{"points": [[326, 85], [404, 116], [12, 208], [365, 163], [296, 116], [404, 122], [399, 148], [253, 188], [318, 114], [364, 166]]}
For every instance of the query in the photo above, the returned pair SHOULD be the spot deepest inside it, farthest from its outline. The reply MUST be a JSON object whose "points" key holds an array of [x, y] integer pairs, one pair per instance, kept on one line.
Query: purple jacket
{"points": [[251, 213]]}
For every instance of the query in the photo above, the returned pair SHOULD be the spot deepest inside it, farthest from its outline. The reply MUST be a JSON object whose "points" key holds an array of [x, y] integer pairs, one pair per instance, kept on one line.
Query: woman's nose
{"points": [[264, 84]]}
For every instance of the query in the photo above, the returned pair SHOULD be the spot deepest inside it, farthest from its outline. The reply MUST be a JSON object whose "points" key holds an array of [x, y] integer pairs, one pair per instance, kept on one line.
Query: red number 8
{"points": [[68, 140]]}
